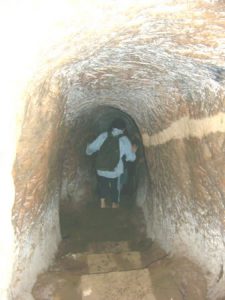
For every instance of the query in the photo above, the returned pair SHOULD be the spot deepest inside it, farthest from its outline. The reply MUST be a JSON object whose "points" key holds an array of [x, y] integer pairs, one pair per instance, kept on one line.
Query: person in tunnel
{"points": [[112, 149]]}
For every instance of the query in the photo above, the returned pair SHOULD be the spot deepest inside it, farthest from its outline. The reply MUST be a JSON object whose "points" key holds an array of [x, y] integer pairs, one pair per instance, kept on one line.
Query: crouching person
{"points": [[110, 147]]}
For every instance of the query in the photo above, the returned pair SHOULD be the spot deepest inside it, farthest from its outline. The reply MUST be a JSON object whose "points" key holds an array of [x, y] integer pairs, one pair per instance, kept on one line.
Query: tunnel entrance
{"points": [[105, 253], [142, 60], [79, 173]]}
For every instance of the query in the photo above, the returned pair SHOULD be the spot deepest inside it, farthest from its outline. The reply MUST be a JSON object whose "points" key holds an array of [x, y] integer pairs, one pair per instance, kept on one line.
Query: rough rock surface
{"points": [[113, 259], [163, 65]]}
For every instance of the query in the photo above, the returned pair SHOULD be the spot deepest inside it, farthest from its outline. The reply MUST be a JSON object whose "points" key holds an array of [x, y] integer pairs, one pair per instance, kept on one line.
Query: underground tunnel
{"points": [[159, 66], [79, 183]]}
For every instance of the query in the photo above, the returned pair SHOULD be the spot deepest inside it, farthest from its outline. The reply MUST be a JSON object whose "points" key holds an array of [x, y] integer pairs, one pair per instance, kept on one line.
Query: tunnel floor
{"points": [[105, 254]]}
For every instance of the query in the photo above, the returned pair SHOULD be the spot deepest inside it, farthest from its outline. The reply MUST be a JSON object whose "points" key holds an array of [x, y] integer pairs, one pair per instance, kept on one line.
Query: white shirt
{"points": [[125, 150]]}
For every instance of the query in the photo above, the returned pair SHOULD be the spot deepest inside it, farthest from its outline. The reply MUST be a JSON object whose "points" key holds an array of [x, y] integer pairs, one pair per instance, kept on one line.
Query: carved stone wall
{"points": [[162, 66]]}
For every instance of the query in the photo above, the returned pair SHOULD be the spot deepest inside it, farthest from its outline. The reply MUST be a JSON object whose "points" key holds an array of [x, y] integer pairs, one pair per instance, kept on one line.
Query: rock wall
{"points": [[37, 177], [183, 135], [187, 202], [162, 64]]}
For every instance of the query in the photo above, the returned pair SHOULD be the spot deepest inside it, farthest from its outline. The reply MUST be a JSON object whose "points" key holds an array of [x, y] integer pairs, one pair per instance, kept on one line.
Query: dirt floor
{"points": [[106, 234]]}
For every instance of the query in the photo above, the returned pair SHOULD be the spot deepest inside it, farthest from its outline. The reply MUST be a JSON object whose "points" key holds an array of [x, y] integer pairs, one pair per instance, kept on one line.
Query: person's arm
{"points": [[128, 150], [96, 144]]}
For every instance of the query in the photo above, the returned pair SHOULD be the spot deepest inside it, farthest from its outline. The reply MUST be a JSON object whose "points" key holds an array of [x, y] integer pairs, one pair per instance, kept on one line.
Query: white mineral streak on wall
{"points": [[185, 128]]}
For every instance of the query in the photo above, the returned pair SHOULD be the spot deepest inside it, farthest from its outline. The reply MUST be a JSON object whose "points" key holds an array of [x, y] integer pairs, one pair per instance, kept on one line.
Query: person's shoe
{"points": [[115, 205], [103, 204]]}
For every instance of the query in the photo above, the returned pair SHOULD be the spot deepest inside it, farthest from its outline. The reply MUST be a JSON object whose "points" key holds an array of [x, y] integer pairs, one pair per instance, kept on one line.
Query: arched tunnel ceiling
{"points": [[109, 41], [130, 54], [167, 55], [142, 52], [185, 28]]}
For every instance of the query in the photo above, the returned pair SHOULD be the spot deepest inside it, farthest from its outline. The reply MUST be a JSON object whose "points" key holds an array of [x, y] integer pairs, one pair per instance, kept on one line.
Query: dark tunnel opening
{"points": [[79, 184]]}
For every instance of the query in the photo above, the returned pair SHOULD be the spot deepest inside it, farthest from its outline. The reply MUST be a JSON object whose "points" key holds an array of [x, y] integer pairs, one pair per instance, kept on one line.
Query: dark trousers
{"points": [[107, 188]]}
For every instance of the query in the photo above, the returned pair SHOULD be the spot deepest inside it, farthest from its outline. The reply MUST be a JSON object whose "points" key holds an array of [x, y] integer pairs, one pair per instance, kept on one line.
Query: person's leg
{"points": [[103, 190], [122, 180], [114, 192]]}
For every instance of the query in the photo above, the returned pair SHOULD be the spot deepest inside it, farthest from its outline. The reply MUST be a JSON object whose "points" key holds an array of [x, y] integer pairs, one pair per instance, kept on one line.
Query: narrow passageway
{"points": [[105, 255], [79, 173], [159, 65]]}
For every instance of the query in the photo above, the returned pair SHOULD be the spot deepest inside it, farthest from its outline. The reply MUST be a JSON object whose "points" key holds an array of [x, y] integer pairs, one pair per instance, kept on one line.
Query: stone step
{"points": [[110, 262], [126, 285], [88, 263], [112, 247]]}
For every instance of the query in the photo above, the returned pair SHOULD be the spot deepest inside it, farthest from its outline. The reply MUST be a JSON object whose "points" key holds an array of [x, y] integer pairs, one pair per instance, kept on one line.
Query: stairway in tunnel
{"points": [[160, 68], [105, 254]]}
